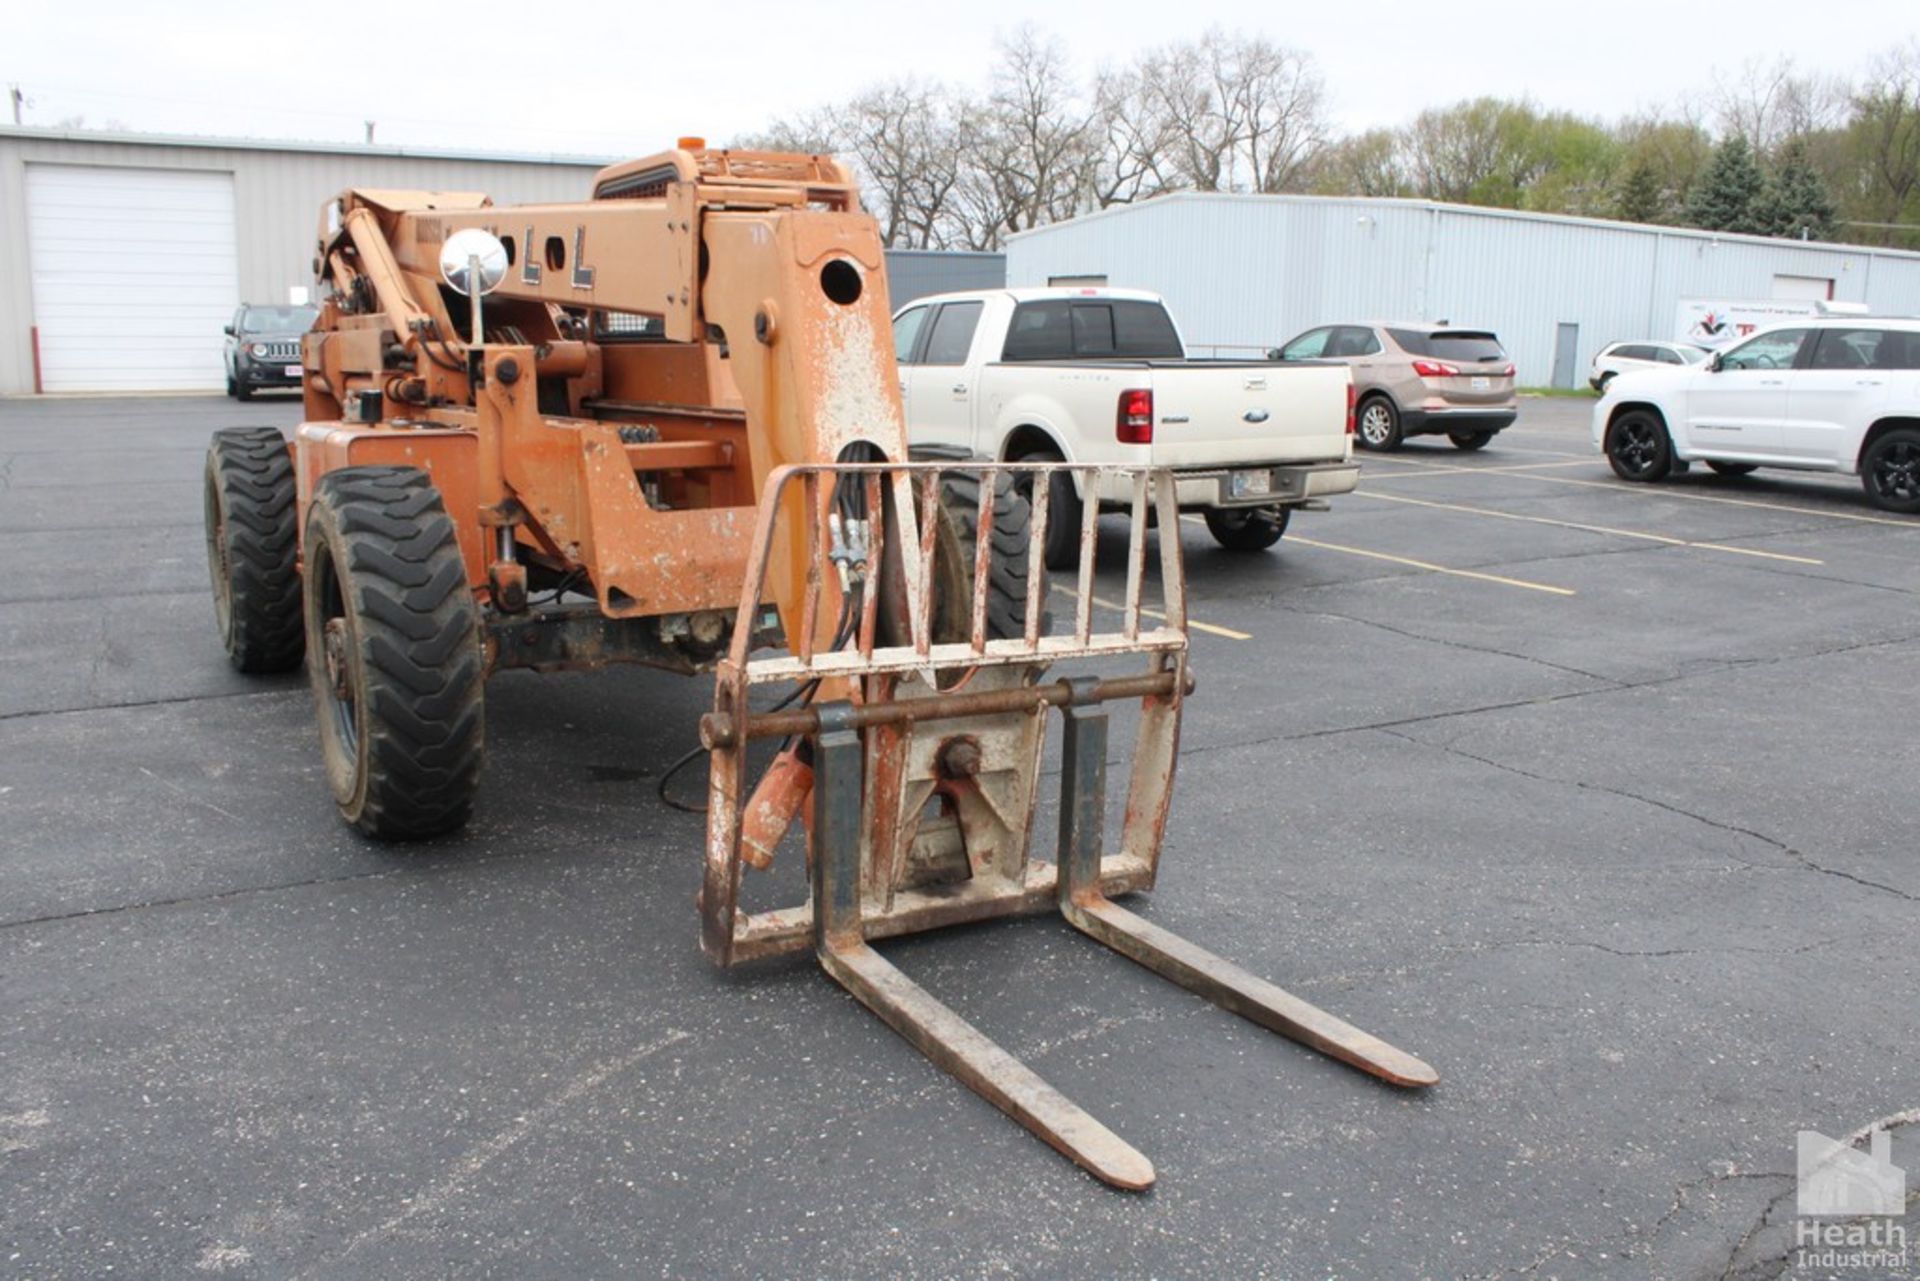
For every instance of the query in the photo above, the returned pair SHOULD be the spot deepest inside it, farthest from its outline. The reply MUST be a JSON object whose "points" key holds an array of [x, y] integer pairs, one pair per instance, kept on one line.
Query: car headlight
{"points": [[257, 349]]}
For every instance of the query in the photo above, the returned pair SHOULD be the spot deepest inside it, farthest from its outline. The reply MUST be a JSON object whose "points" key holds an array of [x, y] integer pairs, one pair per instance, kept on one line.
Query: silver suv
{"points": [[1418, 379]]}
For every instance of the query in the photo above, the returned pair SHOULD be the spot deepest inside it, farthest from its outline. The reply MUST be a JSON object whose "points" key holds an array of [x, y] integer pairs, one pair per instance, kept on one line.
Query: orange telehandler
{"points": [[662, 426]]}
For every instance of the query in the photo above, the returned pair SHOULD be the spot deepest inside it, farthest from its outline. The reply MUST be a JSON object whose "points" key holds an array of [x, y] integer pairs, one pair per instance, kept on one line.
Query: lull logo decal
{"points": [[582, 274], [529, 261]]}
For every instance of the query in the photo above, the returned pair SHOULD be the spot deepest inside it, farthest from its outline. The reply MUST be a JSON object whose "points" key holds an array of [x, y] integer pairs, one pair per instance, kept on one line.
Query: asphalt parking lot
{"points": [[1598, 798]]}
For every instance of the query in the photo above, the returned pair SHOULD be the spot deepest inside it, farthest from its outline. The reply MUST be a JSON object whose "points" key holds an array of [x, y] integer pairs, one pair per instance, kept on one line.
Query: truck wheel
{"points": [[1638, 447], [393, 653], [1377, 426], [1012, 535], [233, 388], [1247, 529], [241, 391], [252, 517], [1468, 441], [1890, 471]]}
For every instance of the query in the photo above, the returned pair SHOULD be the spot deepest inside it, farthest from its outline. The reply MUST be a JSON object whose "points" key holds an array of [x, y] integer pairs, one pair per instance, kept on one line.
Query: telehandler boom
{"points": [[663, 426]]}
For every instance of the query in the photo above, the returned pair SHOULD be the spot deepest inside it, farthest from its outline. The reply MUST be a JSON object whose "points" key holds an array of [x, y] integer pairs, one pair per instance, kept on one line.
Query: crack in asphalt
{"points": [[1773, 1265], [150, 702], [1790, 851], [1453, 644]]}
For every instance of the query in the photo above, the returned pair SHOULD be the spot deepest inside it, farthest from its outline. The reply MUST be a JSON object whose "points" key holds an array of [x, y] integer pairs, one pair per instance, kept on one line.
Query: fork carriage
{"points": [[909, 718]]}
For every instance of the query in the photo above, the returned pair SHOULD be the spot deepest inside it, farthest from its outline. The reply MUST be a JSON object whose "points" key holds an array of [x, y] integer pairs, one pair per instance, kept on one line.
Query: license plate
{"points": [[1250, 484], [293, 371], [1480, 384]]}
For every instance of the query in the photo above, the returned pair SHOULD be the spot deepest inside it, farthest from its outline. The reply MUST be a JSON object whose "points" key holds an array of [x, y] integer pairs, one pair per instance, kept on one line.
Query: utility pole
{"points": [[369, 133], [19, 101]]}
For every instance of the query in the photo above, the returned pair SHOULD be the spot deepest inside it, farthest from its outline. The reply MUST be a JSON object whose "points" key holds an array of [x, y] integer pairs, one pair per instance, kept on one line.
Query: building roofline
{"points": [[1476, 211], [122, 138], [949, 253]]}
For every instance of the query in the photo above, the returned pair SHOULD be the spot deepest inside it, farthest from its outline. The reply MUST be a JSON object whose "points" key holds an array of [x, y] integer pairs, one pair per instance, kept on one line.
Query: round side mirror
{"points": [[463, 251]]}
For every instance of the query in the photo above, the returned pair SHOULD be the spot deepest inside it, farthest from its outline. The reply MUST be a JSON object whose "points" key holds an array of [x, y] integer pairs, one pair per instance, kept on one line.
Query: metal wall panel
{"points": [[1244, 273], [915, 273]]}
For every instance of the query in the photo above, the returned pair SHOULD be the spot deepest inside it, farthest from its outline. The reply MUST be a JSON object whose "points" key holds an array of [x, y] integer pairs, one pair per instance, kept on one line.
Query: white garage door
{"points": [[134, 274]]}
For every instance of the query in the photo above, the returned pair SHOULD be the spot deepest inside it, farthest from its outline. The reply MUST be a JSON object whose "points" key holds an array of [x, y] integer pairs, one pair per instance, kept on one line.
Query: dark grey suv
{"points": [[263, 348]]}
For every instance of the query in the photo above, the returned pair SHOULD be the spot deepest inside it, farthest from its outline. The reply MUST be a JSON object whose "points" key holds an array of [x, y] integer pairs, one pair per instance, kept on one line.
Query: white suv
{"points": [[1834, 395], [1618, 358]]}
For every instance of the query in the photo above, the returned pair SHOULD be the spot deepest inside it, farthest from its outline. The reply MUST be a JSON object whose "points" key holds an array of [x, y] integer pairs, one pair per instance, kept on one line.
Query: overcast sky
{"points": [[628, 78]]}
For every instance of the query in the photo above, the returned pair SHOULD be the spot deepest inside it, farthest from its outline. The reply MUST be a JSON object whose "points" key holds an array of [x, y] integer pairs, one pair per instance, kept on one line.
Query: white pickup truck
{"points": [[1101, 376]]}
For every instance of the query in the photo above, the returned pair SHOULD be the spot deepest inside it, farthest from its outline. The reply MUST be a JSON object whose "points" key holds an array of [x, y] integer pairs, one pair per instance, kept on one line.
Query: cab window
{"points": [[906, 333], [1308, 346], [1775, 350], [1864, 349], [952, 335], [1352, 340]]}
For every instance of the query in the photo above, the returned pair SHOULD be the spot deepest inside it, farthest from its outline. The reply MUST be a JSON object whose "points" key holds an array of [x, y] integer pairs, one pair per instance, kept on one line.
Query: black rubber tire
{"points": [[1379, 415], [252, 520], [1733, 469], [1007, 564], [1468, 441], [242, 392], [1890, 471], [1638, 447], [1247, 529], [393, 653], [233, 388], [1064, 514]]}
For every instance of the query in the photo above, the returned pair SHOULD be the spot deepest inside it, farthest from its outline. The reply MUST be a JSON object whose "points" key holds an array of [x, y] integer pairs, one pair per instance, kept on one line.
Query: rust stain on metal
{"points": [[731, 490]]}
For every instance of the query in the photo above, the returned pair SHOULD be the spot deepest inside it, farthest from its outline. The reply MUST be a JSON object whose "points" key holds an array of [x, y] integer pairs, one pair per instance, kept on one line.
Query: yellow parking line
{"points": [[1593, 529], [1659, 491], [1433, 568], [1421, 564], [1192, 625]]}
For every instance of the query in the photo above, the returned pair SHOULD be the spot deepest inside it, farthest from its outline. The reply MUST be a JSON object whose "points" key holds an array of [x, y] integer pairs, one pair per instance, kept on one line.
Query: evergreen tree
{"points": [[1639, 197], [1797, 203], [1729, 196]]}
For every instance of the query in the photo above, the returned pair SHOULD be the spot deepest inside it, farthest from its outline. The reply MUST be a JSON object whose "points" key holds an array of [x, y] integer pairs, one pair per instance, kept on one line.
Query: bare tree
{"points": [[1769, 102], [1134, 142], [1230, 112], [1453, 152], [1365, 164], [1884, 137], [904, 143], [1029, 144]]}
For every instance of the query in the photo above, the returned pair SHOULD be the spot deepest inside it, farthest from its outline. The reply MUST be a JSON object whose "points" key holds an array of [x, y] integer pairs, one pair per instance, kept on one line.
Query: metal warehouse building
{"points": [[1243, 271], [123, 255]]}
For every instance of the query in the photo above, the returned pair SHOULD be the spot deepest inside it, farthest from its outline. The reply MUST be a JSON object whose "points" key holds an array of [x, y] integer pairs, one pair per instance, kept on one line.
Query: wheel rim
{"points": [[219, 558], [340, 673], [1636, 445], [1896, 474], [1375, 424]]}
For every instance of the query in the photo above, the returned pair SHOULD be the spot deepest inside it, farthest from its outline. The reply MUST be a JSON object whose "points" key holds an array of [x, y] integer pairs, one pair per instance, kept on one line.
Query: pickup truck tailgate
{"points": [[1221, 413]]}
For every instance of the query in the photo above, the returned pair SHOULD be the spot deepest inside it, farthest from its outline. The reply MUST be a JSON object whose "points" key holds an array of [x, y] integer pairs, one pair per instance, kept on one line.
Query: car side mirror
{"points": [[1273, 353], [227, 330], [1715, 364]]}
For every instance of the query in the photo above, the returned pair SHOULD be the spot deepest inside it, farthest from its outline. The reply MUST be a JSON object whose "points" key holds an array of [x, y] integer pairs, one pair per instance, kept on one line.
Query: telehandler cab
{"points": [[673, 410]]}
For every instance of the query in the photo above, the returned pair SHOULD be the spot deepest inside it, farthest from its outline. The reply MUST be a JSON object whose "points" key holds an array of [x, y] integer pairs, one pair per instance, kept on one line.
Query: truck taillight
{"points": [[1510, 371], [1435, 369], [1133, 424], [1353, 399]]}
